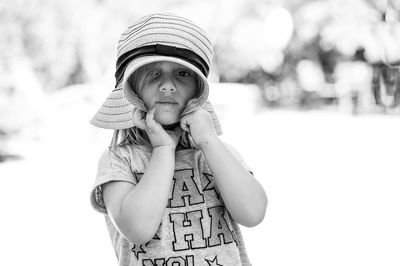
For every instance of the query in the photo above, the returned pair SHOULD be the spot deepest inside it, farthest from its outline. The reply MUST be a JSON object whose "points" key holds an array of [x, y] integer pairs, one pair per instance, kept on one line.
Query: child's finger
{"points": [[139, 119], [150, 117], [184, 124], [150, 121]]}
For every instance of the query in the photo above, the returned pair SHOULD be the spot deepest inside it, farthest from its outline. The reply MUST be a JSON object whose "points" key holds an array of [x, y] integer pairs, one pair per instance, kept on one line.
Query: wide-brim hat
{"points": [[156, 38]]}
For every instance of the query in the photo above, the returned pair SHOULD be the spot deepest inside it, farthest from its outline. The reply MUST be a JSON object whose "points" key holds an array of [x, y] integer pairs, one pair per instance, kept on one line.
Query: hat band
{"points": [[159, 49]]}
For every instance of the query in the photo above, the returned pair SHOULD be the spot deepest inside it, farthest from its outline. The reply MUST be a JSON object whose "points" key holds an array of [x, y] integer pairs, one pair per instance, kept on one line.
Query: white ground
{"points": [[332, 180]]}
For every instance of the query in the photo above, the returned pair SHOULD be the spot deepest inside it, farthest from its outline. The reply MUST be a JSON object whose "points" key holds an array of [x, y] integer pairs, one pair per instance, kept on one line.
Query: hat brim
{"points": [[115, 112]]}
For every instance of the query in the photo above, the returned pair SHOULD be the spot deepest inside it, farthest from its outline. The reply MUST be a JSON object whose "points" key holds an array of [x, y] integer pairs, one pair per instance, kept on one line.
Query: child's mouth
{"points": [[167, 103]]}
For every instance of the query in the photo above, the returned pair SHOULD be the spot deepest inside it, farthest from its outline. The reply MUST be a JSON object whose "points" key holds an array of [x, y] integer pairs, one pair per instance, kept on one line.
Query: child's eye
{"points": [[183, 73], [155, 73]]}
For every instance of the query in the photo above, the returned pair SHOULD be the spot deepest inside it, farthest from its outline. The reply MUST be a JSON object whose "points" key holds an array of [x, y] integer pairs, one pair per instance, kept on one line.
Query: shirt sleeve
{"points": [[112, 166]]}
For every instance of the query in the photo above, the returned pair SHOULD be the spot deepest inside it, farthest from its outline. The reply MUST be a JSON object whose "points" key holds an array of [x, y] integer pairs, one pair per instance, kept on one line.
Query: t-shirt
{"points": [[196, 228]]}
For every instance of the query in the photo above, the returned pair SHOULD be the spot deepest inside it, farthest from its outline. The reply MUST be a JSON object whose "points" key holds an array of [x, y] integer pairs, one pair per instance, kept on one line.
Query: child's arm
{"points": [[243, 196], [137, 211]]}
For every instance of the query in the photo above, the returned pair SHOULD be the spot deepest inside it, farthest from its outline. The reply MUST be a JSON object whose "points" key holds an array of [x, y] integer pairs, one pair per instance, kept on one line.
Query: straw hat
{"points": [[155, 38]]}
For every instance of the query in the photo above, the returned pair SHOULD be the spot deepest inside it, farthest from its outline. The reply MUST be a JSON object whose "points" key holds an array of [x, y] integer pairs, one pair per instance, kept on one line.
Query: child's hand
{"points": [[157, 134], [200, 126]]}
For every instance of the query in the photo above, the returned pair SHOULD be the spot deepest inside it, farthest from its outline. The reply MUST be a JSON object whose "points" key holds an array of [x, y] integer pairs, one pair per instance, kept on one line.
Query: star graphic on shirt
{"points": [[213, 262], [137, 250]]}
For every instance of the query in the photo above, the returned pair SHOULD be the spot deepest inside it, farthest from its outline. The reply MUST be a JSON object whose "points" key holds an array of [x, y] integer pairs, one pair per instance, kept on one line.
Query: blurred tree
{"points": [[43, 32]]}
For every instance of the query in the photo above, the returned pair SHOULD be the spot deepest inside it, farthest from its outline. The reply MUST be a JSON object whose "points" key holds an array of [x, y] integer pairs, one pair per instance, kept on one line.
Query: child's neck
{"points": [[179, 147], [171, 126]]}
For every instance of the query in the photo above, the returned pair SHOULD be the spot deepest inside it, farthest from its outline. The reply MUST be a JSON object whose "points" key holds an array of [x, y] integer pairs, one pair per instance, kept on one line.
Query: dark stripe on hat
{"points": [[113, 122], [165, 43], [115, 106], [100, 112], [170, 34], [162, 43], [159, 49], [115, 98], [168, 50]]}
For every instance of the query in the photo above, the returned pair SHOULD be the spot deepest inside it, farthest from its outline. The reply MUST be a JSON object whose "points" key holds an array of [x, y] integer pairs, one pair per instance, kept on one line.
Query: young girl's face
{"points": [[170, 86]]}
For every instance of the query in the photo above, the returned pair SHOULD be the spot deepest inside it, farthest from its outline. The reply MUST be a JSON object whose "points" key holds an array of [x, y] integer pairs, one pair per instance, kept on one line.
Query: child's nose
{"points": [[167, 85]]}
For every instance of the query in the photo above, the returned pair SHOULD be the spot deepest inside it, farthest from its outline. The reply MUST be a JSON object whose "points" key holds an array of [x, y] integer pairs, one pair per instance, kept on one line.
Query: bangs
{"points": [[140, 78]]}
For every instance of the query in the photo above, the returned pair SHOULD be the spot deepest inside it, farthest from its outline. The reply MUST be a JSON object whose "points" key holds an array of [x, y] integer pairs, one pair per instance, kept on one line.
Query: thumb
{"points": [[184, 123], [139, 119]]}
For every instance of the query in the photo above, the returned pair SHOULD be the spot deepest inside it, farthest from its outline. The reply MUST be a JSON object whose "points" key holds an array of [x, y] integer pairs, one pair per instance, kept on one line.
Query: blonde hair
{"points": [[136, 136]]}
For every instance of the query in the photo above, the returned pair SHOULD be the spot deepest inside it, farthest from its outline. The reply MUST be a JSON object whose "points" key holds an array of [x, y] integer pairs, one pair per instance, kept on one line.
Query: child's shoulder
{"points": [[129, 148], [125, 152]]}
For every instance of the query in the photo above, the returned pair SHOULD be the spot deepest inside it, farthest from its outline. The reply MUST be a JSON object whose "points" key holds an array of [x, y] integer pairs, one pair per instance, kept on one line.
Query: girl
{"points": [[172, 192]]}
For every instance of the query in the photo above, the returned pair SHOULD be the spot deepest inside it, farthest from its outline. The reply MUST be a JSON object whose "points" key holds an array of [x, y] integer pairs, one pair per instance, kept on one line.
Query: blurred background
{"points": [[307, 91]]}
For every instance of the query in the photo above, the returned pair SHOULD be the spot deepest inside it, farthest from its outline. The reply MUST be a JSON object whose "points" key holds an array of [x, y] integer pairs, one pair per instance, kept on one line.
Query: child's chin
{"points": [[167, 120]]}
